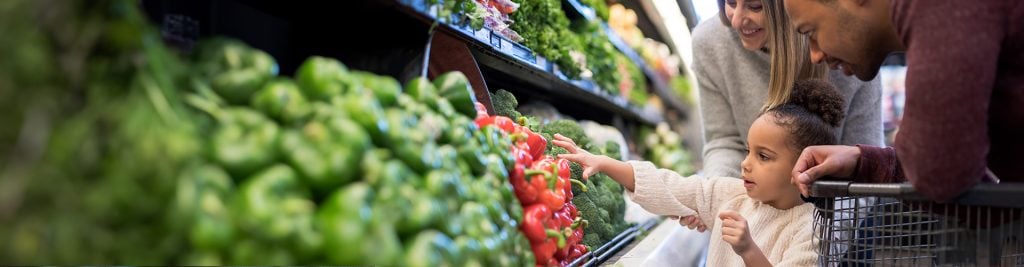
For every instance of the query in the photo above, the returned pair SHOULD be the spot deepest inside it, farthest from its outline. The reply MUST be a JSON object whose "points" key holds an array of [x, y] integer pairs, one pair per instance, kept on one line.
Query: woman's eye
{"points": [[731, 3], [763, 156], [755, 7]]}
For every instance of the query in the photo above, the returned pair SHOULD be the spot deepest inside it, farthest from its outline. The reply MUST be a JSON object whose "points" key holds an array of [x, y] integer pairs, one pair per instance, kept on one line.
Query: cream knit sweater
{"points": [[785, 236]]}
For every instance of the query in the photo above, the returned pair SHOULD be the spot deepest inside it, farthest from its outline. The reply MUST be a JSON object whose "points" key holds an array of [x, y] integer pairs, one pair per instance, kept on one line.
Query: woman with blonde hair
{"points": [[747, 62]]}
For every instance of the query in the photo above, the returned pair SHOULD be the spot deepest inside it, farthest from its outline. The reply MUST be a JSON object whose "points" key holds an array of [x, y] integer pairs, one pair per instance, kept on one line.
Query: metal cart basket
{"points": [[859, 224]]}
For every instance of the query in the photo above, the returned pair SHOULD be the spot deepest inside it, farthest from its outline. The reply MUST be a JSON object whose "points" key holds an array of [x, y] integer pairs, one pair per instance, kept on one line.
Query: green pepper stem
{"points": [[205, 105], [579, 222], [529, 173], [558, 235], [554, 171], [520, 136], [578, 183]]}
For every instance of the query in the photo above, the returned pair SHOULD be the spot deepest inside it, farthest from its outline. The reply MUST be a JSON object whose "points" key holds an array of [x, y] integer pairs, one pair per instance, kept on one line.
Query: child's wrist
{"points": [[605, 162], [751, 252]]}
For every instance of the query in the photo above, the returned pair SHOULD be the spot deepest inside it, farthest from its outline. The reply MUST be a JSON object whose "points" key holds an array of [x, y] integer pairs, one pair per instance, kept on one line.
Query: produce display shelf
{"points": [[499, 53], [598, 256], [659, 86]]}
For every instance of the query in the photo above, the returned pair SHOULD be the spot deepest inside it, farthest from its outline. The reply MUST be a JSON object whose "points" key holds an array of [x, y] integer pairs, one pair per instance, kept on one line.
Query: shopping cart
{"points": [[861, 224]]}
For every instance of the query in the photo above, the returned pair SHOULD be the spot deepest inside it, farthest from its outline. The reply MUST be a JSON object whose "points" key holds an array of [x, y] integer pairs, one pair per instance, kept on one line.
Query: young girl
{"points": [[764, 199]]}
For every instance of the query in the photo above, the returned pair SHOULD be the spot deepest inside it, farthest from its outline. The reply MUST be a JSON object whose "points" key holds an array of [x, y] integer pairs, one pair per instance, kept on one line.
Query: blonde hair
{"points": [[790, 56]]}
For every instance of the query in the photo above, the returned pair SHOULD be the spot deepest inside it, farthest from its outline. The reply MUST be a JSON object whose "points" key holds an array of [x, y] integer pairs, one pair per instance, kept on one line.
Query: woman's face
{"points": [[748, 19]]}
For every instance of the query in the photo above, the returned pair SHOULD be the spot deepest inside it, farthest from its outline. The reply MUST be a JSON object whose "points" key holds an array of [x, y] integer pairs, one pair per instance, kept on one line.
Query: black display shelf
{"points": [[659, 86], [598, 256], [495, 52]]}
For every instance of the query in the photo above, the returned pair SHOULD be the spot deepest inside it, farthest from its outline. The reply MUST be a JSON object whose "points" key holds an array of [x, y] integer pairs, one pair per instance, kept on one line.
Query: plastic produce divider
{"points": [[426, 51], [607, 250], [455, 55]]}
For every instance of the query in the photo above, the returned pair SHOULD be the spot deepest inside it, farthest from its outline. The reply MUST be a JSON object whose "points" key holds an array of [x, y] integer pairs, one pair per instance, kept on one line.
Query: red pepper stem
{"points": [[579, 222], [554, 176], [520, 136], [578, 183], [558, 235], [529, 173]]}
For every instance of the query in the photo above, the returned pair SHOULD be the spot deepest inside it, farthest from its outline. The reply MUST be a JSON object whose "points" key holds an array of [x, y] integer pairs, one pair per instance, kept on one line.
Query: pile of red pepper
{"points": [[544, 188]]}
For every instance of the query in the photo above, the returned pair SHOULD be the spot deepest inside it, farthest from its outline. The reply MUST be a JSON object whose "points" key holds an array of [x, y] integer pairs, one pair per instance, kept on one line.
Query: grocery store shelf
{"points": [[659, 86], [499, 53], [581, 9]]}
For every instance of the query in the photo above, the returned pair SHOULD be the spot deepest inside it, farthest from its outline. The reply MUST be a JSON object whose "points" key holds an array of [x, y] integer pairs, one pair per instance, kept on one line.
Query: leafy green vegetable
{"points": [[545, 29]]}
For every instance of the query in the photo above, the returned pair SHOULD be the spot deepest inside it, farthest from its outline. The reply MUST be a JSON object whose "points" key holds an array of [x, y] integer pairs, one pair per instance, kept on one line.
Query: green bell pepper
{"points": [[421, 157], [431, 248], [422, 90], [281, 99], [200, 203], [385, 88], [426, 210], [455, 87], [271, 204], [322, 78], [244, 142], [345, 219], [235, 70], [326, 152], [368, 113]]}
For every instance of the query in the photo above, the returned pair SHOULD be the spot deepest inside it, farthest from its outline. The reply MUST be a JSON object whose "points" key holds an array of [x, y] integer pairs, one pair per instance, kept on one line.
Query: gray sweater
{"points": [[734, 85]]}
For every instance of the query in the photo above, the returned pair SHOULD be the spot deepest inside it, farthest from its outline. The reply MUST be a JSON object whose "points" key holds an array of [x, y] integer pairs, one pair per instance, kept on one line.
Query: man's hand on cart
{"points": [[818, 161]]}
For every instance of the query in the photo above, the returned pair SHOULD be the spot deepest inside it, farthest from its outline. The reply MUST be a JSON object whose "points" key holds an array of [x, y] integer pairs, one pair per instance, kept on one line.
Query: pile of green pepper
{"points": [[345, 168], [152, 159]]}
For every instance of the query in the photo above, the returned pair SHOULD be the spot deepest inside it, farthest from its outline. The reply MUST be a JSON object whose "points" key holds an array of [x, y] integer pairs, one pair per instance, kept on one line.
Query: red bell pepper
{"points": [[537, 227], [525, 192], [504, 123], [544, 252], [536, 219], [564, 223], [576, 252], [552, 187], [538, 144]]}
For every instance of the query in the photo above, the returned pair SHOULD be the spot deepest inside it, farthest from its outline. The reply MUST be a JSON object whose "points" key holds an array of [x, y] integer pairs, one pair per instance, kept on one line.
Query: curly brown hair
{"points": [[814, 109]]}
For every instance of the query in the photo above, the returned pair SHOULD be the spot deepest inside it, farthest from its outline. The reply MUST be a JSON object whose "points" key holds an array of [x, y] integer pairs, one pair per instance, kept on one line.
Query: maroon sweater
{"points": [[965, 97]]}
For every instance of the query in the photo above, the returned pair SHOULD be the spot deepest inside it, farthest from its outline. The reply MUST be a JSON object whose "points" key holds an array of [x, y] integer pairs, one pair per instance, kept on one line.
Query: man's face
{"points": [[841, 35]]}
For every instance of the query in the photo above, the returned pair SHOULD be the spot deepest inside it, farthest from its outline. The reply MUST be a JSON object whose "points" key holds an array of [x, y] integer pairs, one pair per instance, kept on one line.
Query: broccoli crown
{"points": [[592, 239], [505, 104], [570, 129], [612, 150]]}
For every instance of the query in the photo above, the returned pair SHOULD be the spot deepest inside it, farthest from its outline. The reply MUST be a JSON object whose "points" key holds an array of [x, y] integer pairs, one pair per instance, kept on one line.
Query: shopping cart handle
{"points": [[838, 188], [986, 194]]}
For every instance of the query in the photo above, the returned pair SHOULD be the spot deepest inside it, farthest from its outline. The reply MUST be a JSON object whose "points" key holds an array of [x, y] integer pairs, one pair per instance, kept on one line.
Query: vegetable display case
{"points": [[285, 143]]}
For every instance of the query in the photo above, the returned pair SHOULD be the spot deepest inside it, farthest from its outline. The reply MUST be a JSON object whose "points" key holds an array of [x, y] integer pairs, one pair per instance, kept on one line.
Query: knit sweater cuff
{"points": [[642, 189], [877, 165]]}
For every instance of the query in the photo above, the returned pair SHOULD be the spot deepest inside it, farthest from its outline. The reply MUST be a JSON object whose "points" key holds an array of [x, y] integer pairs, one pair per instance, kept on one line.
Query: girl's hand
{"points": [[691, 222], [591, 164], [735, 232]]}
